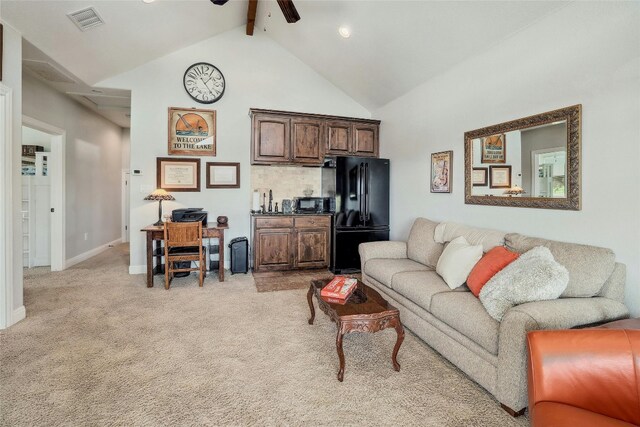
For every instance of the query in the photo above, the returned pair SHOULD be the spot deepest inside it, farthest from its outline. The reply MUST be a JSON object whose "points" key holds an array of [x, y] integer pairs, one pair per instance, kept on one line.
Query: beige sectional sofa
{"points": [[455, 323]]}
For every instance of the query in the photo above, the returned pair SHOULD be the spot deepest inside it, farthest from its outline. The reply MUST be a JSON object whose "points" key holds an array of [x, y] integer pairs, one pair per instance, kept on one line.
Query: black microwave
{"points": [[313, 204]]}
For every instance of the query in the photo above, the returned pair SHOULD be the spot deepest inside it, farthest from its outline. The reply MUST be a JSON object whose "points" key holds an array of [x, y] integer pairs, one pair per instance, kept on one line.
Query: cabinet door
{"points": [[338, 137], [365, 139], [273, 249], [270, 139], [312, 247], [307, 140]]}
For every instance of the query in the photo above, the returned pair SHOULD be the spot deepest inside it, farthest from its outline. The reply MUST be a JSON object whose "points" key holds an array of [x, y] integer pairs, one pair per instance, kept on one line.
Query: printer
{"points": [[189, 215]]}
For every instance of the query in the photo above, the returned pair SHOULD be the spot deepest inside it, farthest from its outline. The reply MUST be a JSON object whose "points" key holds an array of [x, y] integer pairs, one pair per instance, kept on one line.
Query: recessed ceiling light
{"points": [[344, 32], [148, 1], [96, 91]]}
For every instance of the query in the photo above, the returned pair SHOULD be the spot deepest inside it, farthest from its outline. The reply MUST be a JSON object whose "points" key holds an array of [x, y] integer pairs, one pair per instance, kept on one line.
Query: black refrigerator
{"points": [[359, 188]]}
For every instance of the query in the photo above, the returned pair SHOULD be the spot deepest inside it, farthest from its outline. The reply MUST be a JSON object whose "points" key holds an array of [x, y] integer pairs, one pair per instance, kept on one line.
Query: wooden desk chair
{"points": [[183, 242]]}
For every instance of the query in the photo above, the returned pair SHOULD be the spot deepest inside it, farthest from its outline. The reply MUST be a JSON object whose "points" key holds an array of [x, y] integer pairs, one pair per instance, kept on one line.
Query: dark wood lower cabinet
{"points": [[273, 249], [291, 242], [312, 248]]}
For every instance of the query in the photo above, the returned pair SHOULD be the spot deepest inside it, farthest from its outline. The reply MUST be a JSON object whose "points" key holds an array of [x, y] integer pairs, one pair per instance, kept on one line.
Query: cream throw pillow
{"points": [[457, 261]]}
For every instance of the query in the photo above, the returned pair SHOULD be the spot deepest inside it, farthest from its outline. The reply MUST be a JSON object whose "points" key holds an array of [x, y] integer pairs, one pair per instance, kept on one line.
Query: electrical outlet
{"points": [[86, 236]]}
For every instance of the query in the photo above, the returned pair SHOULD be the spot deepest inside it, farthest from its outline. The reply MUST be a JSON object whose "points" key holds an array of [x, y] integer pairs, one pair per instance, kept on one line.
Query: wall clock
{"points": [[204, 83]]}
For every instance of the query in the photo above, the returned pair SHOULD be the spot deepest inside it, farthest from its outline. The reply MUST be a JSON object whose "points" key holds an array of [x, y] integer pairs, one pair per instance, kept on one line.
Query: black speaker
{"points": [[239, 249]]}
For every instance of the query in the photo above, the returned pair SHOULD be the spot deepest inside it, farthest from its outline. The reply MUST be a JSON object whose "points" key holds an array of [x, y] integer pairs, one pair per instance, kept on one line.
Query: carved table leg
{"points": [[310, 301], [340, 352], [400, 332]]}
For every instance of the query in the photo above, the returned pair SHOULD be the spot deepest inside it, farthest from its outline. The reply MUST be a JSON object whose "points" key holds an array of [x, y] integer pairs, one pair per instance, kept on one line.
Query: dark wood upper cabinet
{"points": [[307, 140], [365, 139], [299, 138], [339, 137], [271, 138]]}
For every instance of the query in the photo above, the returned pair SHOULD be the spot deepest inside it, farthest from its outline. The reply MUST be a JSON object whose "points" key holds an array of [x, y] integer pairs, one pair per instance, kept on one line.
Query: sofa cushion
{"points": [[383, 269], [419, 286], [457, 261], [465, 313], [535, 276], [489, 239], [421, 247], [589, 266]]}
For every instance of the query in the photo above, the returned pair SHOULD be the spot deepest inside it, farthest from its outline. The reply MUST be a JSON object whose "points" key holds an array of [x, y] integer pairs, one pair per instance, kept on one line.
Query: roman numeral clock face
{"points": [[204, 83]]}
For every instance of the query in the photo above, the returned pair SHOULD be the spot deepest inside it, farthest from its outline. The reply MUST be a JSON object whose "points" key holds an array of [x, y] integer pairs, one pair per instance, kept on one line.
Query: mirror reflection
{"points": [[528, 162], [532, 162]]}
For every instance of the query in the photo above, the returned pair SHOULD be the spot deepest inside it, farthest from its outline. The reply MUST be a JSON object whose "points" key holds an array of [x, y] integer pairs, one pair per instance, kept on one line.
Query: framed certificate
{"points": [[499, 176], [178, 174], [223, 175]]}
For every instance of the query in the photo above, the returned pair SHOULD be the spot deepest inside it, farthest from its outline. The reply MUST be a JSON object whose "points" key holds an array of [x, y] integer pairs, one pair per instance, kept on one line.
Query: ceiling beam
{"points": [[251, 16], [289, 11]]}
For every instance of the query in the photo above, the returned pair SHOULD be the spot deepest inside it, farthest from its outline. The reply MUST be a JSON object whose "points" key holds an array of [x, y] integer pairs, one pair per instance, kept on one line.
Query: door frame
{"points": [[126, 182], [6, 207], [58, 189]]}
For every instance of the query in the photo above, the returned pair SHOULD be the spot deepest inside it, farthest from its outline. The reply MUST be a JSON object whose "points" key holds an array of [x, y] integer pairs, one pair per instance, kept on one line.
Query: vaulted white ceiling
{"points": [[395, 45]]}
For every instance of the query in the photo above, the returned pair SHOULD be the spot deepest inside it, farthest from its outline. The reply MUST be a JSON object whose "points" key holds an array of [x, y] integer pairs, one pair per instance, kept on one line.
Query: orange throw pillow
{"points": [[492, 262]]}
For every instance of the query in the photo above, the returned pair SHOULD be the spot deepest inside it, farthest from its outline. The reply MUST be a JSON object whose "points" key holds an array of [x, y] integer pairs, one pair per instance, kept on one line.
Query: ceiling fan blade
{"points": [[251, 16], [289, 11], [219, 2]]}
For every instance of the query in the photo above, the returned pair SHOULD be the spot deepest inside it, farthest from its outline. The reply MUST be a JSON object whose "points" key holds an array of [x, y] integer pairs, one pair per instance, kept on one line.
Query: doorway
{"points": [[36, 163], [52, 212], [548, 167]]}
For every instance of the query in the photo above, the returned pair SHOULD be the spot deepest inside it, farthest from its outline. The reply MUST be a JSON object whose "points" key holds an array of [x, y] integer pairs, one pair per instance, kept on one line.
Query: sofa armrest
{"points": [[563, 313], [591, 369], [386, 249]]}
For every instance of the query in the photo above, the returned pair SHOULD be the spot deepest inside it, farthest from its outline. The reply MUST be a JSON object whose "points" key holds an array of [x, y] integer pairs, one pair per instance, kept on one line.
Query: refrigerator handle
{"points": [[361, 191], [367, 184]]}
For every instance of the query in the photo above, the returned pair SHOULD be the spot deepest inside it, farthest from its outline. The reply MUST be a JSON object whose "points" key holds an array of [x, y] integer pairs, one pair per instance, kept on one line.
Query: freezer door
{"points": [[376, 177], [344, 256]]}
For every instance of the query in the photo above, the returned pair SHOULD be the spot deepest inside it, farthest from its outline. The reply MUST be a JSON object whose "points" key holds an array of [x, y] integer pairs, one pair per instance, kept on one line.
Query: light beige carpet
{"points": [[99, 348]]}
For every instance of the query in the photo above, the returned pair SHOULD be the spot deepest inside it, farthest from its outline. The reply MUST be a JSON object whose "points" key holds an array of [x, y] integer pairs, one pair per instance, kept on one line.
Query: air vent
{"points": [[86, 18], [46, 71]]}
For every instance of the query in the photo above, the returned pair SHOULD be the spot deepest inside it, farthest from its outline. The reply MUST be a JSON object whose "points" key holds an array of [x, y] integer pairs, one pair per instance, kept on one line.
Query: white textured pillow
{"points": [[534, 276], [457, 261]]}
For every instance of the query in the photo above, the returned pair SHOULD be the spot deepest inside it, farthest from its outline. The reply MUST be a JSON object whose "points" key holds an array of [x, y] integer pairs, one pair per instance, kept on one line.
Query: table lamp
{"points": [[159, 195], [514, 191]]}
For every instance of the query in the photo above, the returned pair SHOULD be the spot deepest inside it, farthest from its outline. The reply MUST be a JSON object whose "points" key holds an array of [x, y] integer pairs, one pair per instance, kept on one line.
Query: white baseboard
{"points": [[18, 314], [93, 252]]}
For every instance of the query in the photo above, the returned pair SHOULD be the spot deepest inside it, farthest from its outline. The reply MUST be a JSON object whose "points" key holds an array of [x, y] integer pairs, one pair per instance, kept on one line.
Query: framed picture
{"points": [[500, 176], [494, 148], [480, 177], [192, 132], [178, 174], [223, 175], [441, 164]]}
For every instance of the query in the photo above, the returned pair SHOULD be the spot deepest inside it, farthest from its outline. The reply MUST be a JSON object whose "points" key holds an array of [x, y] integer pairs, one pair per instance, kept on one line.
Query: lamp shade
{"points": [[159, 194], [515, 190]]}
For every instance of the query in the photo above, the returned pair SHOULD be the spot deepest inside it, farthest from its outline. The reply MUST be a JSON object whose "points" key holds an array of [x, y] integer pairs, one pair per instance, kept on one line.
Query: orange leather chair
{"points": [[584, 377]]}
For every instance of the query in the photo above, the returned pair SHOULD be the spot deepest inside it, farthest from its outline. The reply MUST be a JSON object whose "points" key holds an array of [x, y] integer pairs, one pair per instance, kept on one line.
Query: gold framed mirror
{"points": [[533, 162]]}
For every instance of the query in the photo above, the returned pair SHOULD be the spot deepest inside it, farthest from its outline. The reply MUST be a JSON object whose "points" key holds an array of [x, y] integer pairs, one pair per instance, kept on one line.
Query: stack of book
{"points": [[339, 289]]}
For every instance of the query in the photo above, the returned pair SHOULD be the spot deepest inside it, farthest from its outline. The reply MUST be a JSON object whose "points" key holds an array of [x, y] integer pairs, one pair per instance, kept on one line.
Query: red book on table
{"points": [[339, 288]]}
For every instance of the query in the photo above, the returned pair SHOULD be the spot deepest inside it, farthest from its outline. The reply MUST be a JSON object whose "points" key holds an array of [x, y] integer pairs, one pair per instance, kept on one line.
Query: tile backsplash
{"points": [[286, 182]]}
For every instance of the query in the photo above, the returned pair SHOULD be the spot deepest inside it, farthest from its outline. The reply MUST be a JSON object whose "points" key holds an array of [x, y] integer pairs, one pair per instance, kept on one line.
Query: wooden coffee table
{"points": [[364, 311]]}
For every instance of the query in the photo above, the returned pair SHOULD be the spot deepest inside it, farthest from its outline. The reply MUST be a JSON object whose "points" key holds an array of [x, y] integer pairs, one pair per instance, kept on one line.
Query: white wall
{"points": [[259, 73], [587, 53], [126, 148], [12, 77], [93, 166]]}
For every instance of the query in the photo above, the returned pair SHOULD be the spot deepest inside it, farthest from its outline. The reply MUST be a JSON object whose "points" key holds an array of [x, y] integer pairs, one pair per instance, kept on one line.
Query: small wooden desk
{"points": [[155, 233]]}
